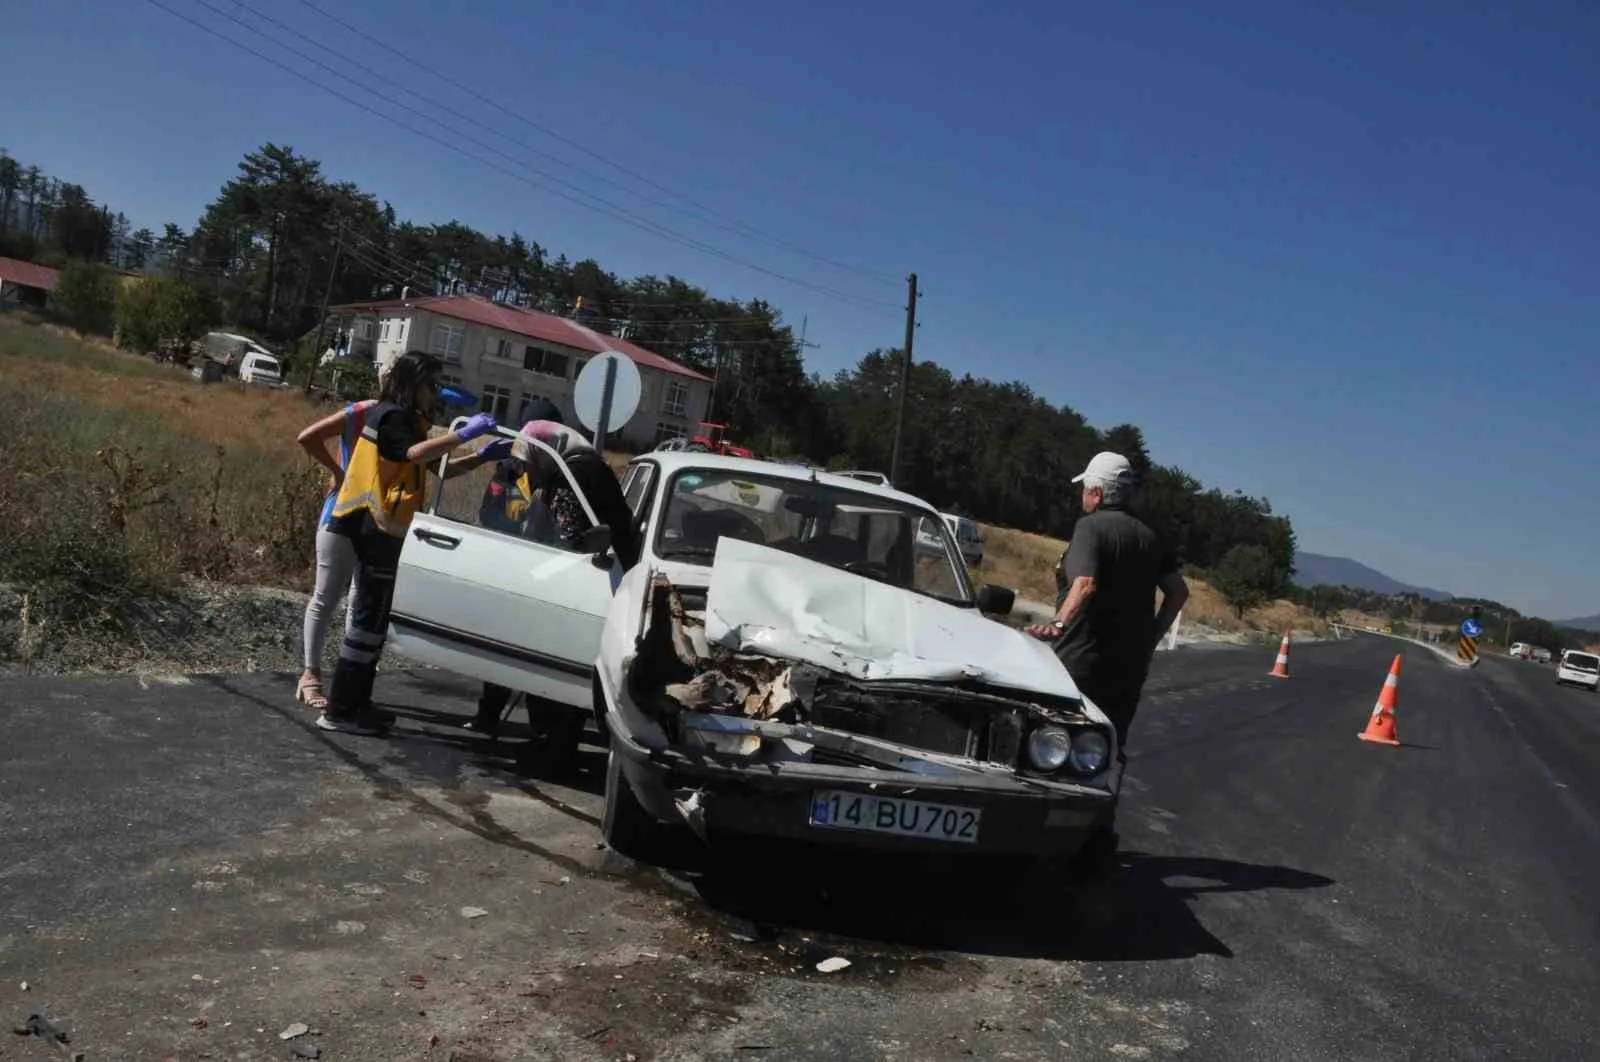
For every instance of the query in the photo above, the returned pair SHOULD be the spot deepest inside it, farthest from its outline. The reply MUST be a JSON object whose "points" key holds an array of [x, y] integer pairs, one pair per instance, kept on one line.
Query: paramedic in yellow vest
{"points": [[384, 485]]}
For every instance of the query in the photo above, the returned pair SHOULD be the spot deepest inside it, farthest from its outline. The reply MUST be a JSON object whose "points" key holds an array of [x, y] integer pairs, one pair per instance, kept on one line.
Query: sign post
{"points": [[1471, 631], [607, 394]]}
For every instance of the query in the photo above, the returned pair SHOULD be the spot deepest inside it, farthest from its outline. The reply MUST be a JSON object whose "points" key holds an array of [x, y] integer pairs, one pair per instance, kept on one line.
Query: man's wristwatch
{"points": [[1058, 625]]}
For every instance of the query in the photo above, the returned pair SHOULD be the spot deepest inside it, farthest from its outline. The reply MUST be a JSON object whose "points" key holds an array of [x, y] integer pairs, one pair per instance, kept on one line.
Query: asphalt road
{"points": [[190, 868]]}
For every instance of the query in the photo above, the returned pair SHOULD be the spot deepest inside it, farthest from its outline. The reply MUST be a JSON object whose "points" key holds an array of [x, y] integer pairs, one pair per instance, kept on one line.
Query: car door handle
{"points": [[433, 538]]}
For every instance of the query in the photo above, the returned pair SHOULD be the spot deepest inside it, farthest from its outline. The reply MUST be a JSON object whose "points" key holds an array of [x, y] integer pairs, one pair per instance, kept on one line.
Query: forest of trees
{"points": [[1502, 624], [281, 234]]}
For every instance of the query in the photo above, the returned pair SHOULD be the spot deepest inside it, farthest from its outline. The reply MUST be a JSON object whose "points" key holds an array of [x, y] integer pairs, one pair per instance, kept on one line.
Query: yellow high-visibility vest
{"points": [[390, 491]]}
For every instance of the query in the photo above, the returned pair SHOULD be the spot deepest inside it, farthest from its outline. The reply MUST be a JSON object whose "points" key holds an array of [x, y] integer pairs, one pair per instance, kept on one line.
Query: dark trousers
{"points": [[377, 561], [492, 705]]}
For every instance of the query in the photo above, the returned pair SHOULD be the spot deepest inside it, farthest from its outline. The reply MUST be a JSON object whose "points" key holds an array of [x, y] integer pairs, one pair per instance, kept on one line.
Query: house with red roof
{"points": [[510, 355], [26, 283]]}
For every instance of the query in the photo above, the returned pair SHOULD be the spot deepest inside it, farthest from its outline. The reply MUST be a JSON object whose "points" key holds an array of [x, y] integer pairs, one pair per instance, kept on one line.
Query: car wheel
{"points": [[626, 826]]}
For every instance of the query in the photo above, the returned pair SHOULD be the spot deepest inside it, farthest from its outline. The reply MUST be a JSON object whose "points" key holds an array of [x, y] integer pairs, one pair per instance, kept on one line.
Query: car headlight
{"points": [[1091, 751], [1049, 747]]}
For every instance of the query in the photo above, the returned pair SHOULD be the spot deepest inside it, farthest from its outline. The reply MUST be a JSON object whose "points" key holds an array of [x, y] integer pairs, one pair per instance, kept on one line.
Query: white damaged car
{"points": [[787, 659]]}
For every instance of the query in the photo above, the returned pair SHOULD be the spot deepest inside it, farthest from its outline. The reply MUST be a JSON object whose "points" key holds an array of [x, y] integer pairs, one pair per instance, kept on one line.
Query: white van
{"points": [[968, 538], [258, 367], [1521, 650], [1578, 669]]}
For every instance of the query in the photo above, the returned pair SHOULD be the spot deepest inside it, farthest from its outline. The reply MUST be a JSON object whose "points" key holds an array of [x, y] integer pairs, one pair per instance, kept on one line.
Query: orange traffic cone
{"points": [[1380, 728], [1280, 669]]}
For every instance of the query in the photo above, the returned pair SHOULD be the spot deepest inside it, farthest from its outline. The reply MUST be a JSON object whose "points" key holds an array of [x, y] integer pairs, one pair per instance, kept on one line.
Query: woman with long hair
{"points": [[384, 485], [336, 558]]}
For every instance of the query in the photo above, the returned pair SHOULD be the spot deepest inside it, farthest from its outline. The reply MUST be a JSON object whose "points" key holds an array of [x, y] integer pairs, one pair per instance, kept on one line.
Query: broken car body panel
{"points": [[767, 601], [799, 687]]}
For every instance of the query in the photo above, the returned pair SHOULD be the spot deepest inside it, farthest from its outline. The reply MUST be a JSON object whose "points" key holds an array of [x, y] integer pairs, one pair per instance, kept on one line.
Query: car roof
{"points": [[672, 461]]}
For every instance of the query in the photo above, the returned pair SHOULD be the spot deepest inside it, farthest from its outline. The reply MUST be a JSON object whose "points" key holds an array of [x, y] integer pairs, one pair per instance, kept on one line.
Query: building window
{"points": [[447, 340], [498, 348], [496, 400], [400, 328], [449, 381], [528, 399], [677, 403], [665, 431], [364, 328], [385, 332], [544, 362]]}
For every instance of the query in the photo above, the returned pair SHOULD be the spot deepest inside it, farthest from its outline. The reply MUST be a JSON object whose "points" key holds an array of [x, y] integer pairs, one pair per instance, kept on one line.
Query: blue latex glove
{"points": [[476, 425], [494, 451]]}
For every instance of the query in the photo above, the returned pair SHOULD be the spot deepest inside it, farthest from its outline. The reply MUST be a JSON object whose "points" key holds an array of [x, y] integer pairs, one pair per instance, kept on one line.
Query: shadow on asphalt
{"points": [[430, 757], [1141, 911], [761, 890]]}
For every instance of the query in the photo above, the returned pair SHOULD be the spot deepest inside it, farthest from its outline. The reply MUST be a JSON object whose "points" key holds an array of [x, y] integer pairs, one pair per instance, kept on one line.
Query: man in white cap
{"points": [[1106, 626]]}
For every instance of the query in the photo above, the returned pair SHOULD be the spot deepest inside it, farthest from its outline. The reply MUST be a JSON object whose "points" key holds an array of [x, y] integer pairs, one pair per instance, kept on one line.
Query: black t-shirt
{"points": [[1109, 642], [398, 431]]}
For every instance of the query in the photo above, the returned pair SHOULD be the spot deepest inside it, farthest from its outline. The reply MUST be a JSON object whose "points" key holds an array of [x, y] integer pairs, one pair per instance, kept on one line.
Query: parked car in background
{"points": [[1541, 655], [968, 536], [782, 661], [258, 367], [1578, 669]]}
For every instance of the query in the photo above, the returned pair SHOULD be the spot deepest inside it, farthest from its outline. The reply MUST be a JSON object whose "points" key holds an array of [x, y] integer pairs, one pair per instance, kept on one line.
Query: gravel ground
{"points": [[199, 628]]}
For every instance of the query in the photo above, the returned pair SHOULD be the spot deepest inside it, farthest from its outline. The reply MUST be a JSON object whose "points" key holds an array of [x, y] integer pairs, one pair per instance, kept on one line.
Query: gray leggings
{"points": [[336, 567]]}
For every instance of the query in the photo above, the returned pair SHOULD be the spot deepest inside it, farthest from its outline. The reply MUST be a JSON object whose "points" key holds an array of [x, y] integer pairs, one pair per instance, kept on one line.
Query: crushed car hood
{"points": [[767, 601]]}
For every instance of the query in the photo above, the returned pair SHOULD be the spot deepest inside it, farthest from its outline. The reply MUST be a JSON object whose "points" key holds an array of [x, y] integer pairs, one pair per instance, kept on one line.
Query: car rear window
{"points": [[1583, 662]]}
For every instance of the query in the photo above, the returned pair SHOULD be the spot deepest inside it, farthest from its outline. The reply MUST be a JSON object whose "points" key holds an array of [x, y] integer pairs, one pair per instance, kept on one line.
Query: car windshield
{"points": [[853, 531], [1583, 662]]}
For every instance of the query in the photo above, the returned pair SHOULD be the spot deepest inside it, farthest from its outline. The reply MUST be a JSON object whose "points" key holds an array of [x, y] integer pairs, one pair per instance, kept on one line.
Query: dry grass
{"points": [[1026, 562], [1021, 560]]}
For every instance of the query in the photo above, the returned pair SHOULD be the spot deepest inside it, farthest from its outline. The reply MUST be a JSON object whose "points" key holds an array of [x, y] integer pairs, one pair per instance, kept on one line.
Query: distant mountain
{"points": [[1315, 569], [1582, 623]]}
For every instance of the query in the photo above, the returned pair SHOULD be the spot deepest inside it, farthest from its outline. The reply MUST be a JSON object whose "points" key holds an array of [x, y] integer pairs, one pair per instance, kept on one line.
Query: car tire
{"points": [[627, 827]]}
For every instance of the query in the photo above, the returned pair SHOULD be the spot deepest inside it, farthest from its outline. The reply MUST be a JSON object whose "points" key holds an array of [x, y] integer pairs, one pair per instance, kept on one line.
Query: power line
{"points": [[725, 223], [605, 209]]}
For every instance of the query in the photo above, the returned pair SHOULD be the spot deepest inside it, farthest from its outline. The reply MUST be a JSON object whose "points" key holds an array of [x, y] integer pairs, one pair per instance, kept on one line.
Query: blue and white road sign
{"points": [[1471, 627]]}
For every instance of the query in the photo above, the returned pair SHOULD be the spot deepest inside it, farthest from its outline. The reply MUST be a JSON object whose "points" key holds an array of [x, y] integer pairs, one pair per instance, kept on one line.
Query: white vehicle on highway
{"points": [[1578, 669], [782, 661], [1521, 651]]}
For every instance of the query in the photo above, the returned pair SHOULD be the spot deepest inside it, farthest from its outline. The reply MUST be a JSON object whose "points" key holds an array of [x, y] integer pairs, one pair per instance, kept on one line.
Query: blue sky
{"points": [[1343, 256]]}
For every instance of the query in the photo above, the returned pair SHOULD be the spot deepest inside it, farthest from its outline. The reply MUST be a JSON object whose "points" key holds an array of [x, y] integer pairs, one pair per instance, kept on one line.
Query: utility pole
{"points": [[804, 346], [322, 318], [905, 378]]}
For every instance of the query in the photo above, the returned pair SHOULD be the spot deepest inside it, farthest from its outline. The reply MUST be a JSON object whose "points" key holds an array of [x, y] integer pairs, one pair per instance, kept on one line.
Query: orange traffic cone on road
{"points": [[1380, 728], [1280, 669]]}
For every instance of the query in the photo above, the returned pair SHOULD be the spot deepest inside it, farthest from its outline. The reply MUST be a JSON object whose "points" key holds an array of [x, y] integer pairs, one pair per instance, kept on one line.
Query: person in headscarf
{"points": [[531, 496]]}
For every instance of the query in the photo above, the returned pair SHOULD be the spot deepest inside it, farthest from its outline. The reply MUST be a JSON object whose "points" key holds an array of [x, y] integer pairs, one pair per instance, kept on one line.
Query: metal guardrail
{"points": [[1448, 657]]}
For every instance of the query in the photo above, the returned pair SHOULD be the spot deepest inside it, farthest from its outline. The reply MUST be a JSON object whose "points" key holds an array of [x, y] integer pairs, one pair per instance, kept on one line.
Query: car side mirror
{"points": [[996, 600], [596, 540]]}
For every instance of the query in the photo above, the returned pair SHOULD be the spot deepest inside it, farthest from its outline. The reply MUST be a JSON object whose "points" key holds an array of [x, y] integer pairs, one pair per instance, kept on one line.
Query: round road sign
{"points": [[1471, 628], [589, 392]]}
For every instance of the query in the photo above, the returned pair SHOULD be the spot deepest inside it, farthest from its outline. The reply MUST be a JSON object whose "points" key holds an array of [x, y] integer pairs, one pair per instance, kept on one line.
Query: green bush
{"points": [[162, 313], [1245, 577], [87, 295]]}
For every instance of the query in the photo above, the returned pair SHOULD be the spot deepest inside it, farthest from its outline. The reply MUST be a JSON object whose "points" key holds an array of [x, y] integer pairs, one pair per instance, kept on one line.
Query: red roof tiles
{"points": [[535, 325], [28, 274]]}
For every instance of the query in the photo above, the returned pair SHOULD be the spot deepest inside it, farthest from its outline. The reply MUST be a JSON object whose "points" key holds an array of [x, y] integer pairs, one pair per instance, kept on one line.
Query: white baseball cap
{"points": [[1106, 467]]}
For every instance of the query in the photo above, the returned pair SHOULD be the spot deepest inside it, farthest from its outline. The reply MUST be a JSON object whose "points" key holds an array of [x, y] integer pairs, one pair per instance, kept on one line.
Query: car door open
{"points": [[478, 596]]}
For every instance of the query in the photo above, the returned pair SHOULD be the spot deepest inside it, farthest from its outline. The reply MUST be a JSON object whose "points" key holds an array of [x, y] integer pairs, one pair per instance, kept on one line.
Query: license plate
{"points": [[838, 810]]}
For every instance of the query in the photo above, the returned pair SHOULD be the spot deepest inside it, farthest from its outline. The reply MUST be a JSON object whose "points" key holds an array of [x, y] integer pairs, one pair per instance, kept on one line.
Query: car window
{"points": [[636, 488], [495, 497], [871, 536], [1583, 661]]}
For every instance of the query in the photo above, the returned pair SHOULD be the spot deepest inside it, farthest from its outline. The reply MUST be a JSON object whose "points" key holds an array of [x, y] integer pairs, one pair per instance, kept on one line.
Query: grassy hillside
{"points": [[1026, 563]]}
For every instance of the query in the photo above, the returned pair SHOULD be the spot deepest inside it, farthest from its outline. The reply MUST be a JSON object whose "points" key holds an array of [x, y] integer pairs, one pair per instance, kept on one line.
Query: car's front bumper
{"points": [[717, 796]]}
